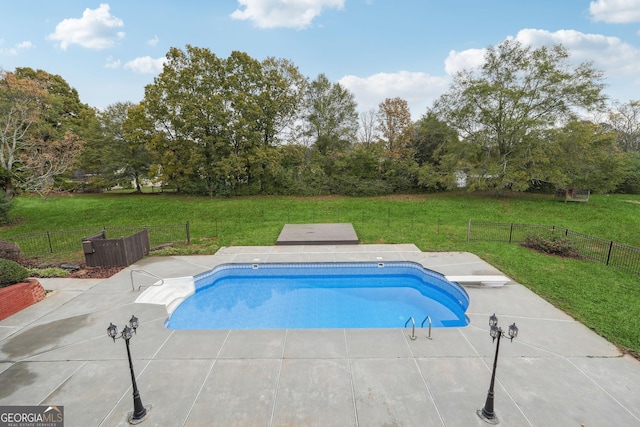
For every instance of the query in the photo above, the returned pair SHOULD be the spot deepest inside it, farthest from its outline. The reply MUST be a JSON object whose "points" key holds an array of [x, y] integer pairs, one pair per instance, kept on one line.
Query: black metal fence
{"points": [[65, 241], [607, 252]]}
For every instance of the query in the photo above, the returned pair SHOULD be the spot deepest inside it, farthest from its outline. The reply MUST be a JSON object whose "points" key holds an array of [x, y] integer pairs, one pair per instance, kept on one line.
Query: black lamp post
{"points": [[140, 413], [487, 413]]}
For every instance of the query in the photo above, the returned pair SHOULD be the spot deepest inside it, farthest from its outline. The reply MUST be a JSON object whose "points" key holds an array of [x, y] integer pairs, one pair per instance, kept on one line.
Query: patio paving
{"points": [[556, 373]]}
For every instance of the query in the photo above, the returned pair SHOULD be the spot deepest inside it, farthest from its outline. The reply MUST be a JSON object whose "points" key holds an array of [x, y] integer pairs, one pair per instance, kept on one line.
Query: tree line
{"points": [[240, 126]]}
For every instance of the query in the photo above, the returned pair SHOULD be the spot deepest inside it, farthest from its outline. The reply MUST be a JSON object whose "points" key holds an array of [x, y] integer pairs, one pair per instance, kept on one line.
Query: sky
{"points": [[378, 49]]}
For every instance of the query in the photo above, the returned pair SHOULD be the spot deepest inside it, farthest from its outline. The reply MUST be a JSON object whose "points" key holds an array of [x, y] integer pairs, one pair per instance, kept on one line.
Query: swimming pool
{"points": [[320, 295]]}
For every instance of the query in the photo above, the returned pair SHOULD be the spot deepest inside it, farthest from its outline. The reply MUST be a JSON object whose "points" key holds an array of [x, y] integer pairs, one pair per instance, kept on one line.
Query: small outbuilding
{"points": [[572, 194]]}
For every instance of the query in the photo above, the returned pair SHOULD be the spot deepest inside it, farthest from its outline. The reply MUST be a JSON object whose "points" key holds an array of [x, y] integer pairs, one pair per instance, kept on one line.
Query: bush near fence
{"points": [[607, 252], [66, 241]]}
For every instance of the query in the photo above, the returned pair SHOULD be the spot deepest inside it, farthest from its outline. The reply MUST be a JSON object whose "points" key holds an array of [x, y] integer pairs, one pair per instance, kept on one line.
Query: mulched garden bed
{"points": [[95, 272]]}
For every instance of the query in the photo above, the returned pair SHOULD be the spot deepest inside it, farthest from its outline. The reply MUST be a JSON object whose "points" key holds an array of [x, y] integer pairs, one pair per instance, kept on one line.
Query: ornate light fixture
{"points": [[487, 413], [140, 412]]}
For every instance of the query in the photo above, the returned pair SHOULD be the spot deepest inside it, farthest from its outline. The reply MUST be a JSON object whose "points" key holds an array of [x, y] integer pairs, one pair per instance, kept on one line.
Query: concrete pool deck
{"points": [[556, 373]]}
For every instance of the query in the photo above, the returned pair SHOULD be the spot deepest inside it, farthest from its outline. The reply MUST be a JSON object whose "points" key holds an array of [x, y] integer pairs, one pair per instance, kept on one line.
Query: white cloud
{"points": [[97, 29], [146, 65], [619, 61], [15, 50], [609, 54], [615, 11], [418, 89], [112, 63], [467, 59], [283, 13], [153, 41]]}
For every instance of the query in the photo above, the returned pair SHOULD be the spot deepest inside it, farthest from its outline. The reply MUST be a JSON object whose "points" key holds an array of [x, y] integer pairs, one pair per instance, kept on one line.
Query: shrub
{"points": [[11, 272], [554, 245], [9, 250], [48, 272]]}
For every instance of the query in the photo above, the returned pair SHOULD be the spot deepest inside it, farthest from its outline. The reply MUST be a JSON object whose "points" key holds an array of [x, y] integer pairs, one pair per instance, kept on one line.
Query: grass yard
{"points": [[603, 298]]}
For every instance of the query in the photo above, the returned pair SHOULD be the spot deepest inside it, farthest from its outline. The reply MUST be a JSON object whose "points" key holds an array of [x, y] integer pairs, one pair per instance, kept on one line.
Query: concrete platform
{"points": [[317, 234], [556, 373]]}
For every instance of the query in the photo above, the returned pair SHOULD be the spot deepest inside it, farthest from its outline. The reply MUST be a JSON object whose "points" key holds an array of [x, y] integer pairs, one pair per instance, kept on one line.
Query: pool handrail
{"points": [[413, 327], [422, 326], [148, 273]]}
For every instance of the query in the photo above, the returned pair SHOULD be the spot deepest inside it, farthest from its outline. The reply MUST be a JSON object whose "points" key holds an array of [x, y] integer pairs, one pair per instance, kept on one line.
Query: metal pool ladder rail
{"points": [[422, 326], [148, 274], [413, 327]]}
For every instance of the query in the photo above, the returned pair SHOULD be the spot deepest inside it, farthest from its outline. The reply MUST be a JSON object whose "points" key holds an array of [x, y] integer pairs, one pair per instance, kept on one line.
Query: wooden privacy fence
{"points": [[102, 252]]}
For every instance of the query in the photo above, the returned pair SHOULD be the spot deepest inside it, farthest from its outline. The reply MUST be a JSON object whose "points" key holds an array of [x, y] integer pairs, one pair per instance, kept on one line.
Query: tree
{"points": [[22, 102], [136, 133], [625, 120], [43, 122], [61, 133], [212, 115], [330, 111], [502, 109], [585, 155], [117, 151], [433, 144], [367, 132], [395, 126]]}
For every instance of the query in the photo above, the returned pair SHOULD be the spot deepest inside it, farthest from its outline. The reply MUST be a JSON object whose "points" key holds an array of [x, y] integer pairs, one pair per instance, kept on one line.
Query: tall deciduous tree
{"points": [[624, 119], [367, 132], [395, 127], [432, 144], [22, 102], [501, 110], [117, 152], [43, 128], [330, 112], [212, 116], [584, 155]]}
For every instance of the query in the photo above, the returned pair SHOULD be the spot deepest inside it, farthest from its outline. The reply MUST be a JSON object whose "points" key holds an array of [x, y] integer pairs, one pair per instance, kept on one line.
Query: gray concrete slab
{"points": [[314, 392], [169, 385], [556, 373], [316, 344], [317, 234], [237, 392], [391, 391]]}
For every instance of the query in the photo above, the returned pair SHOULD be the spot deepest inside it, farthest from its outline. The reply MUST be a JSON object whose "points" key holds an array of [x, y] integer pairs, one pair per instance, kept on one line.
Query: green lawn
{"points": [[603, 298]]}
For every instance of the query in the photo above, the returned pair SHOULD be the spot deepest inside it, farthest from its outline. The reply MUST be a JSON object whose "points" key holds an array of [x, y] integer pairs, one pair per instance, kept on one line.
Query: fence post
{"points": [[50, 245], [510, 232], [609, 254], [188, 233], [469, 231]]}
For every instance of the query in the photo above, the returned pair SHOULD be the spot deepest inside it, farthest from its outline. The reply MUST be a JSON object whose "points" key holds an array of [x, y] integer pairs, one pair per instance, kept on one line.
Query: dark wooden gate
{"points": [[102, 252]]}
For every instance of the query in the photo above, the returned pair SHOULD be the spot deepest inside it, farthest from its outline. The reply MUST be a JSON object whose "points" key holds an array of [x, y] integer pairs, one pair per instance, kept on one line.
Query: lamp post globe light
{"points": [[140, 412], [487, 413]]}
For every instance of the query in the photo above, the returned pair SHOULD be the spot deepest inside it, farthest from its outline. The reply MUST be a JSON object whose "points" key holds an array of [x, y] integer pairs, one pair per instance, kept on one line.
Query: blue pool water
{"points": [[320, 295]]}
